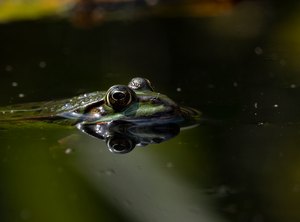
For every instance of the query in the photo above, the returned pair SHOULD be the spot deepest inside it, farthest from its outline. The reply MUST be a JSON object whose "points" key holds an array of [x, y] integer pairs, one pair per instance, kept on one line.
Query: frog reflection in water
{"points": [[124, 116]]}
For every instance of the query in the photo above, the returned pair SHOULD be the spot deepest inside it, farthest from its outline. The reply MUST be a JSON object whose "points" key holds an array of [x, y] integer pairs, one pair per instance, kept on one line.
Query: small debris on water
{"points": [[293, 86], [235, 84], [275, 105], [14, 84], [255, 105], [258, 50], [178, 89], [21, 95], [42, 64]]}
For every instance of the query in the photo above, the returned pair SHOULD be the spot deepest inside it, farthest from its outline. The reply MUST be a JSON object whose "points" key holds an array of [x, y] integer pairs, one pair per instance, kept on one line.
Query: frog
{"points": [[124, 116]]}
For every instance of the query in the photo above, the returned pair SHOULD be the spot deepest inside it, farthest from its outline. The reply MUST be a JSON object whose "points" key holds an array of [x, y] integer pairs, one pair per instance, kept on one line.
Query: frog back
{"points": [[65, 111]]}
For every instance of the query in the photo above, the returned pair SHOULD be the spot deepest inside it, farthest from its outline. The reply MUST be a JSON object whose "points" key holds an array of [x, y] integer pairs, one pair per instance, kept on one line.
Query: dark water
{"points": [[241, 70]]}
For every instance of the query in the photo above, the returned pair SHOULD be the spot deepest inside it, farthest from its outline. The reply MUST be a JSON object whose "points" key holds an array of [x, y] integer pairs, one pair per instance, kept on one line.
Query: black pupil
{"points": [[118, 95], [119, 147]]}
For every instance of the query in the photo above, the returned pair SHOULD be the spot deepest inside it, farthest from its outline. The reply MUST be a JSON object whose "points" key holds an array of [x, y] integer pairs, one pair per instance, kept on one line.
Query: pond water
{"points": [[241, 164]]}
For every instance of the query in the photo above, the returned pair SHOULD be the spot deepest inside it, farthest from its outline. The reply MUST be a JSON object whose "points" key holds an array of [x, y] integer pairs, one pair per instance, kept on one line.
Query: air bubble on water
{"points": [[21, 95], [14, 84], [255, 105], [258, 50], [178, 89], [260, 124], [275, 105], [235, 84], [293, 86], [68, 151], [42, 64]]}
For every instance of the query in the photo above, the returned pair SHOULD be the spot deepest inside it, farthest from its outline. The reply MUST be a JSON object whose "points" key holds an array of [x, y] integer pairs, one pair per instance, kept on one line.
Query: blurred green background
{"points": [[236, 61]]}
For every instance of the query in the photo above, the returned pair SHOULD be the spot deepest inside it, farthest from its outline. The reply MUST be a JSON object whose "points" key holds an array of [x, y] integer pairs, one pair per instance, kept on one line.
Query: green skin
{"points": [[92, 108]]}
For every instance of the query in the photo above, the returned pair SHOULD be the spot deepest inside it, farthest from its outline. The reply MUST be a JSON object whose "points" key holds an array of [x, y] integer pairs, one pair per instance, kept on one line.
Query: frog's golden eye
{"points": [[139, 83], [119, 97]]}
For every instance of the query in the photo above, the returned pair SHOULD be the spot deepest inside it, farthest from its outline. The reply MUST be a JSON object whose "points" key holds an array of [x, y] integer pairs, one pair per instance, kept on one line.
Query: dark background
{"points": [[240, 69]]}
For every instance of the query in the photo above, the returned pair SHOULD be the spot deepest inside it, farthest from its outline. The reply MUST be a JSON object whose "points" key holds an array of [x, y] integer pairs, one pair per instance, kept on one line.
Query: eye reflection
{"points": [[122, 137], [120, 144]]}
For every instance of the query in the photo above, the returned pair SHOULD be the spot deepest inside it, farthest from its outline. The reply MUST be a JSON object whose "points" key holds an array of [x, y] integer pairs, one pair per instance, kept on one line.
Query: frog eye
{"points": [[139, 83], [119, 97]]}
